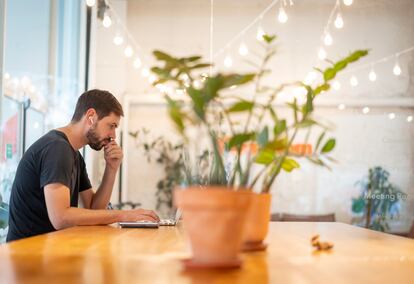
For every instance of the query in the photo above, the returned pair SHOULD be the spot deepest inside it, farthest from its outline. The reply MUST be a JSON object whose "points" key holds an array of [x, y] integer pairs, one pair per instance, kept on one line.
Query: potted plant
{"points": [[378, 202], [212, 112]]}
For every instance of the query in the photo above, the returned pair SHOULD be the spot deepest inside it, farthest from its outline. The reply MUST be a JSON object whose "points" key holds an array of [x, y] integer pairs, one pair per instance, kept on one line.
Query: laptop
{"points": [[150, 224]]}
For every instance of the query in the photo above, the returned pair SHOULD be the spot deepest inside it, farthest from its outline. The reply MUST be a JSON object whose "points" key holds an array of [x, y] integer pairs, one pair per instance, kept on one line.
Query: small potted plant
{"points": [[219, 218]]}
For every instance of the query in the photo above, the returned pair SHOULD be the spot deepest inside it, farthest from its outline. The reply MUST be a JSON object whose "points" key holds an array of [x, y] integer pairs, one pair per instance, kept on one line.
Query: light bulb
{"points": [[152, 78], [339, 22], [36, 125], [260, 33], [341, 107], [409, 118], [365, 110], [397, 69], [137, 63], [353, 81], [128, 51], [391, 116], [282, 16], [90, 3], [310, 78], [145, 72], [328, 39], [6, 76], [228, 62], [322, 53], [118, 40], [336, 85], [372, 76], [348, 2], [243, 50], [107, 21]]}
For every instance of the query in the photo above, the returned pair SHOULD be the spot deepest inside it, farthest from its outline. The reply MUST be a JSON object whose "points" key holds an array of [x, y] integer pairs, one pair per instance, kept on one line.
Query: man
{"points": [[52, 174]]}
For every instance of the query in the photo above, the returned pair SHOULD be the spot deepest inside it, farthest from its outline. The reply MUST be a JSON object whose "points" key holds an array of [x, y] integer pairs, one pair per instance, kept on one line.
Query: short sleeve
{"points": [[85, 183], [57, 164]]}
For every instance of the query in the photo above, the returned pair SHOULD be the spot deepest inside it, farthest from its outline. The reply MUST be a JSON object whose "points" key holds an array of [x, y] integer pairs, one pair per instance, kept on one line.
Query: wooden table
{"points": [[107, 254]]}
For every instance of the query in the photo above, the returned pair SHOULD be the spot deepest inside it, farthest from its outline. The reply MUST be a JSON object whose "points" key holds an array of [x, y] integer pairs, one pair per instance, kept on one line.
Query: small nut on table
{"points": [[320, 245]]}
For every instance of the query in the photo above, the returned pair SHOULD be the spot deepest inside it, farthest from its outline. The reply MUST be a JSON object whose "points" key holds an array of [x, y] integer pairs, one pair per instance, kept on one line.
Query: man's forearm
{"points": [[73, 216], [102, 196]]}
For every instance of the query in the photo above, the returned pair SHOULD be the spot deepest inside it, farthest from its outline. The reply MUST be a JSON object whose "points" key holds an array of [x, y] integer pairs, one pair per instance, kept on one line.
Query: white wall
{"points": [[182, 28]]}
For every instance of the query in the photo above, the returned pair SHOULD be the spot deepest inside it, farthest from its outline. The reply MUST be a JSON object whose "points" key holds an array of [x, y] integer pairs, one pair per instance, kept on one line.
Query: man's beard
{"points": [[93, 139]]}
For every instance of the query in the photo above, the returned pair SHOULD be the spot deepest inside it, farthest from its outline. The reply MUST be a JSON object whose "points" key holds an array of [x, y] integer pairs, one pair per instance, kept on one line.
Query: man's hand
{"points": [[113, 155], [139, 215]]}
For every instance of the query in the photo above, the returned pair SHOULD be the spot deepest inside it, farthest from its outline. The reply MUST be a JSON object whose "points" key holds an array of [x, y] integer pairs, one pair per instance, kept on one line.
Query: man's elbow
{"points": [[61, 221]]}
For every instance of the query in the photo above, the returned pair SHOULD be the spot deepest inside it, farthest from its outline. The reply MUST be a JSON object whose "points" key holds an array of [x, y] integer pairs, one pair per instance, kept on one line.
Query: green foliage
{"points": [[206, 102], [378, 202]]}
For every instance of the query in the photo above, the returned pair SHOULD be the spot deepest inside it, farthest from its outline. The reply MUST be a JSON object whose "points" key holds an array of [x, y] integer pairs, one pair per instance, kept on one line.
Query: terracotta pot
{"points": [[214, 219], [257, 222]]}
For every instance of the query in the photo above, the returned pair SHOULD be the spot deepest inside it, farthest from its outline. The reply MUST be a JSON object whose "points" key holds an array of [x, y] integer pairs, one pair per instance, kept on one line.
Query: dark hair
{"points": [[102, 101]]}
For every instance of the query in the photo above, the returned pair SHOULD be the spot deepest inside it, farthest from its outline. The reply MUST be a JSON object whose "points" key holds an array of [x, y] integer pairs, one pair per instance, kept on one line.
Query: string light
{"points": [[365, 110], [128, 51], [243, 50], [339, 22], [353, 81], [397, 69], [152, 78], [341, 107], [336, 85], [310, 78], [145, 72], [322, 54], [228, 62], [282, 16], [328, 39], [372, 76], [348, 2], [90, 3], [409, 118], [137, 63], [391, 116], [118, 40], [107, 21], [260, 33]]}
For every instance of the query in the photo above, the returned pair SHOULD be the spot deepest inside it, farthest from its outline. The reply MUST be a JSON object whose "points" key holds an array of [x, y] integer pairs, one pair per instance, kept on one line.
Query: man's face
{"points": [[102, 131]]}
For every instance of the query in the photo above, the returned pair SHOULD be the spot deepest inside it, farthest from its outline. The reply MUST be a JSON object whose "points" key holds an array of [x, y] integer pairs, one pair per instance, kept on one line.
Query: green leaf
{"points": [[316, 161], [265, 157], [239, 139], [241, 106], [340, 65], [289, 164], [269, 38], [279, 127], [191, 58], [309, 100], [356, 55], [200, 66], [321, 88], [329, 74], [306, 123], [237, 79], [263, 137], [278, 144], [358, 205], [318, 142], [162, 56], [212, 86], [198, 102], [175, 114], [329, 145]]}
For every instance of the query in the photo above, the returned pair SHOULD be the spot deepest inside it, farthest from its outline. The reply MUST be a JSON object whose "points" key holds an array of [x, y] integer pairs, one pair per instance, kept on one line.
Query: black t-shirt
{"points": [[51, 159]]}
